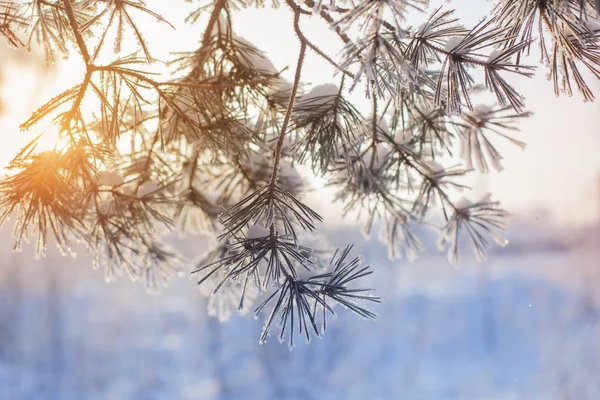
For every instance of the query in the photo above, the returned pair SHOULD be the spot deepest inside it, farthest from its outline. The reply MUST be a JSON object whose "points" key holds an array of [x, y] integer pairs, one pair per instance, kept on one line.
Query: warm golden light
{"points": [[553, 172]]}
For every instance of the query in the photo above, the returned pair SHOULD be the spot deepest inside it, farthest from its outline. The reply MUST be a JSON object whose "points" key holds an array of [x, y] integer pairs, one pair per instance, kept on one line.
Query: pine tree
{"points": [[213, 146]]}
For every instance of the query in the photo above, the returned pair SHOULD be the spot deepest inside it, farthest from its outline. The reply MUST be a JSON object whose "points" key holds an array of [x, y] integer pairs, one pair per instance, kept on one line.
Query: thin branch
{"points": [[321, 53], [79, 39], [290, 107]]}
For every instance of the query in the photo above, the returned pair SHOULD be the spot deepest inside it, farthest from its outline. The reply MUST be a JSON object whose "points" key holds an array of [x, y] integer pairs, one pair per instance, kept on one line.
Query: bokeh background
{"points": [[523, 325]]}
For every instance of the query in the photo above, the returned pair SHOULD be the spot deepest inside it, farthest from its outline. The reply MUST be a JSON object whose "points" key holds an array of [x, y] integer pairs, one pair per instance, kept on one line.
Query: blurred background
{"points": [[523, 325]]}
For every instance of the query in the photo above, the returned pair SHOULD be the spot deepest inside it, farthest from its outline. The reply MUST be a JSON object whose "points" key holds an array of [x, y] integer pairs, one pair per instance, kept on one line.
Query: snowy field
{"points": [[524, 325]]}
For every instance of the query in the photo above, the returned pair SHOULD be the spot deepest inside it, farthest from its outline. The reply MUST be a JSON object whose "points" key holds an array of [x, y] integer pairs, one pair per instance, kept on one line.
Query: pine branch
{"points": [[290, 107], [75, 28], [216, 144]]}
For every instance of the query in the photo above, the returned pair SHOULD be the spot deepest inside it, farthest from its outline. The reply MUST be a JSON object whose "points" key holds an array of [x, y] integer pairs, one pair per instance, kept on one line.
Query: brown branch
{"points": [[78, 38], [66, 123], [206, 38], [290, 107]]}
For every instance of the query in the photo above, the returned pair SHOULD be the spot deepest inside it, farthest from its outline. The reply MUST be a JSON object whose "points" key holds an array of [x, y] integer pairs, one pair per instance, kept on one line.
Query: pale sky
{"points": [[559, 170]]}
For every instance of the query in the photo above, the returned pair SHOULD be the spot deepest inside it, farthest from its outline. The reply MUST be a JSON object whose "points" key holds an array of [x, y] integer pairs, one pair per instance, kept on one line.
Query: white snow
{"points": [[109, 178], [382, 152], [320, 95], [257, 231], [290, 176], [453, 43], [221, 26], [256, 161], [253, 58], [106, 207], [423, 29], [433, 166], [497, 56], [466, 149], [280, 92], [403, 138], [464, 203], [184, 104], [593, 24], [484, 108], [328, 89], [383, 125], [147, 188], [494, 56]]}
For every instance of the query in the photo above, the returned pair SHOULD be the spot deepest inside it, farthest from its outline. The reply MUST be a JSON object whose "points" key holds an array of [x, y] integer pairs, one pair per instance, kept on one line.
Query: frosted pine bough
{"points": [[214, 146]]}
